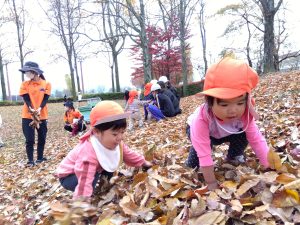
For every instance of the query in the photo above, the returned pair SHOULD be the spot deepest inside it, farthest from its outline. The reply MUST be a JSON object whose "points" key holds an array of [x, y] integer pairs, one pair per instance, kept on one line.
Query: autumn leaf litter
{"points": [[168, 193]]}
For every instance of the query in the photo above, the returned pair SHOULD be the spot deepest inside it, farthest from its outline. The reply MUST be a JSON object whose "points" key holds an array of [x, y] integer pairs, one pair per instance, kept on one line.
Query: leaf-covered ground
{"points": [[168, 193]]}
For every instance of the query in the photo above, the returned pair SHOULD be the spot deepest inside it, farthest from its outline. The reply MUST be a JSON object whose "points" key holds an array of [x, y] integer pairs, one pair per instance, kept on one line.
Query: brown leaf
{"points": [[274, 159], [246, 186], [284, 179], [292, 185]]}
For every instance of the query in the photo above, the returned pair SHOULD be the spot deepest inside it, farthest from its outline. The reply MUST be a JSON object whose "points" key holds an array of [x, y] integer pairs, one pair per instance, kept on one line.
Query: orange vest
{"points": [[36, 91]]}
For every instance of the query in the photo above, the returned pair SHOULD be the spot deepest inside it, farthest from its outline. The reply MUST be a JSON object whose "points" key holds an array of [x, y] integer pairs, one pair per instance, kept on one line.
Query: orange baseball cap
{"points": [[106, 111], [229, 78]]}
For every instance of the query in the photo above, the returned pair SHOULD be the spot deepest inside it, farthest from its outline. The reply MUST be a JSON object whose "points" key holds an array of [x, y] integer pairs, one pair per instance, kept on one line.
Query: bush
{"points": [[9, 103], [192, 88], [106, 96]]}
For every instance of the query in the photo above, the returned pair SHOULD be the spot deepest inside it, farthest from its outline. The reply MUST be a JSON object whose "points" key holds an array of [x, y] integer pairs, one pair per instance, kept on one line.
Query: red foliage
{"points": [[164, 60]]}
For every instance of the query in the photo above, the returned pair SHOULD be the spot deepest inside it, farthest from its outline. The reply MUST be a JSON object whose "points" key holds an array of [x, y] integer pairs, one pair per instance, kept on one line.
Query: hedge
{"points": [[192, 89]]}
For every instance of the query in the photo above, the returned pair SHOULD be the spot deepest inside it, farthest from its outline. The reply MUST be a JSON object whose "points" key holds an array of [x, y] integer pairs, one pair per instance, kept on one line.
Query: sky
{"points": [[96, 71]]}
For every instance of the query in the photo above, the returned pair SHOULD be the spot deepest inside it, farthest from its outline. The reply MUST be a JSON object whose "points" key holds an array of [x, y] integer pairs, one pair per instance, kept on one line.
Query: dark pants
{"points": [[237, 145], [80, 127], [70, 182], [29, 134]]}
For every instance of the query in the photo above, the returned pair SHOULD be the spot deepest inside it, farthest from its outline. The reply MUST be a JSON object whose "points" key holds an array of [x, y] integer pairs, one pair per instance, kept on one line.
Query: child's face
{"points": [[110, 138], [229, 109], [67, 108]]}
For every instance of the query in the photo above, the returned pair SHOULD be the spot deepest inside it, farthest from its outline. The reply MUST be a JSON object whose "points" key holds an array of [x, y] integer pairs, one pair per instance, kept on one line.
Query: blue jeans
{"points": [[29, 134]]}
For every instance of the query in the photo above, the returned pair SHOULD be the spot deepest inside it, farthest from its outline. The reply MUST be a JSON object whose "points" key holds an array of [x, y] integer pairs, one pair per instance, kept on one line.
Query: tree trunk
{"points": [[112, 79], [248, 46], [3, 88], [145, 47], [72, 75], [20, 33], [269, 45], [269, 11], [81, 75], [8, 84], [203, 34], [116, 65], [183, 45]]}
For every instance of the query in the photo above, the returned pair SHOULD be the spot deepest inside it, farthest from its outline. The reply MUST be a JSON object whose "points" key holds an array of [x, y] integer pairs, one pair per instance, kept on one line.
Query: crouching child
{"points": [[101, 151]]}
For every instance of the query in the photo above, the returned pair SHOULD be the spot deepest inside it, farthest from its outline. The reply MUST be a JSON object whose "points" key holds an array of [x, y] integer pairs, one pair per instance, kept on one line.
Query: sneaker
{"points": [[30, 164], [38, 161]]}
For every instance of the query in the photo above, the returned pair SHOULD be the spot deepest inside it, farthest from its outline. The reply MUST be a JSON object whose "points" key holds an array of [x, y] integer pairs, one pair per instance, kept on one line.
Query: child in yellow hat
{"points": [[100, 152], [226, 116]]}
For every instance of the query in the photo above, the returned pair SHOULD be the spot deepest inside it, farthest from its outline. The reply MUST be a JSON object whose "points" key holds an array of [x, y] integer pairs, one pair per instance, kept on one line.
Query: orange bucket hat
{"points": [[132, 95], [147, 89], [229, 78], [103, 112]]}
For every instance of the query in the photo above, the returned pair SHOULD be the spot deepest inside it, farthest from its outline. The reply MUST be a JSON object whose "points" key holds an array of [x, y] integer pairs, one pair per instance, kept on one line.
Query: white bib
{"points": [[108, 159]]}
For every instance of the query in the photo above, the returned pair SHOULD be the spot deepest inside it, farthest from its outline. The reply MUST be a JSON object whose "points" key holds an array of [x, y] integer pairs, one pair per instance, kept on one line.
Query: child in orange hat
{"points": [[100, 152], [74, 120], [226, 116], [133, 106]]}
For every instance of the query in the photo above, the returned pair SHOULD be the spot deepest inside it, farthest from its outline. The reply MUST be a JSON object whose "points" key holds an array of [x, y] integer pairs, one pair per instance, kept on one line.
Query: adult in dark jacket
{"points": [[169, 86], [171, 95], [165, 107]]}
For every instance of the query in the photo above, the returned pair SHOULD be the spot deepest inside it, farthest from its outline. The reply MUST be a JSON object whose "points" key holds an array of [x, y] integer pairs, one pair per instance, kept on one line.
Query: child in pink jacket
{"points": [[100, 151], [226, 117]]}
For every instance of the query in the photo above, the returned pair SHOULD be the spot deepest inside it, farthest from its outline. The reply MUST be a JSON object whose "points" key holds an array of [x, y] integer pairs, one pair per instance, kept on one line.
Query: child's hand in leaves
{"points": [[212, 186], [147, 164], [295, 153]]}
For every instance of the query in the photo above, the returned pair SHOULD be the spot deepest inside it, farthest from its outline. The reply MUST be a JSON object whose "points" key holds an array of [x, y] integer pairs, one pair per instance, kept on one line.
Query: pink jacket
{"points": [[202, 129], [82, 161]]}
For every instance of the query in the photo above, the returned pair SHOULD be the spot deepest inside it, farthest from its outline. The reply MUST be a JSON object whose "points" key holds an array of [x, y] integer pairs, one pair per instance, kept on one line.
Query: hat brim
{"points": [[38, 71], [223, 93], [112, 118]]}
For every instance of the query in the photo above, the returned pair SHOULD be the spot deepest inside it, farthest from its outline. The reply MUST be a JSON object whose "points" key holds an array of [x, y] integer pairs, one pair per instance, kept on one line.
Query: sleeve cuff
{"points": [[206, 161]]}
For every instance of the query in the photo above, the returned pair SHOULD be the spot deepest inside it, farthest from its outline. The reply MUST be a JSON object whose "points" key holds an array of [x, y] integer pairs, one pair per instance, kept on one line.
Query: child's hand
{"points": [[212, 186], [147, 164], [295, 153]]}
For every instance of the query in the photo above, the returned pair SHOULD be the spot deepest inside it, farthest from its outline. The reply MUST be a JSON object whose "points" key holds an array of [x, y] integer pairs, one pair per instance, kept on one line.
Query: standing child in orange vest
{"points": [[35, 92], [73, 119]]}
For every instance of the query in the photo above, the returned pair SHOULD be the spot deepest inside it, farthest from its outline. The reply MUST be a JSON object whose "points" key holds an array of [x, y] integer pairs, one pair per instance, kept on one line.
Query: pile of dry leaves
{"points": [[168, 193]]}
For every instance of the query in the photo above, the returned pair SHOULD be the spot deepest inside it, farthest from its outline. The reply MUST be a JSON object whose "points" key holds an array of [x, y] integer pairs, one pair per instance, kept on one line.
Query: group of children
{"points": [[227, 116], [161, 100]]}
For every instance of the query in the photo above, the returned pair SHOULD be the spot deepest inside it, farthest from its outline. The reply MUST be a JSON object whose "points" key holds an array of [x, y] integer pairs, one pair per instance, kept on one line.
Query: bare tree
{"points": [[247, 17], [18, 14], [203, 32], [65, 16], [181, 10], [2, 77], [113, 35], [269, 10], [135, 28], [185, 12]]}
